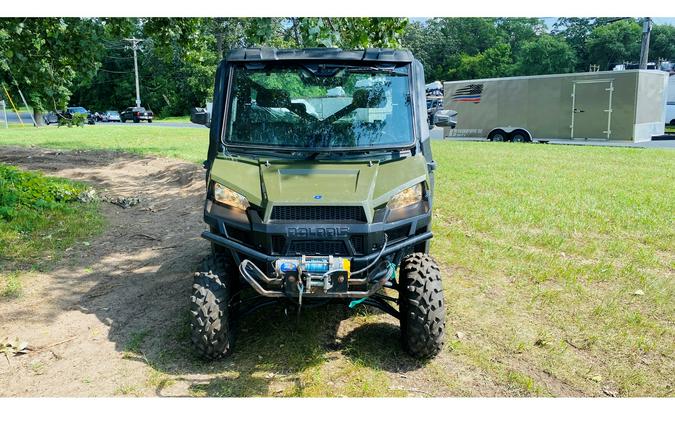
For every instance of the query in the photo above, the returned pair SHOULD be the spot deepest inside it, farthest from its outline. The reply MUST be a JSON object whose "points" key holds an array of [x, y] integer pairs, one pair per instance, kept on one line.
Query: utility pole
{"points": [[134, 46], [644, 51]]}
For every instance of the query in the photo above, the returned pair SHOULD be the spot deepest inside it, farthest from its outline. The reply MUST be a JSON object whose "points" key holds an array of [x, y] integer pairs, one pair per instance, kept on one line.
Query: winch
{"points": [[308, 272]]}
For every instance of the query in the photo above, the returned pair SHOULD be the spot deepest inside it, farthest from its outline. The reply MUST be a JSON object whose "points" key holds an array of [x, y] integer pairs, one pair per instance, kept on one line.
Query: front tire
{"points": [[422, 306], [210, 319]]}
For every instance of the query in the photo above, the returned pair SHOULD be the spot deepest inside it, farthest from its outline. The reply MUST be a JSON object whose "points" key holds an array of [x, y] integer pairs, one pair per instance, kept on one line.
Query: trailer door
{"points": [[591, 109]]}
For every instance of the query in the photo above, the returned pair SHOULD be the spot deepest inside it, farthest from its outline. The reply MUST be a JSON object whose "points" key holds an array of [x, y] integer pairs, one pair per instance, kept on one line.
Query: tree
{"points": [[545, 55], [448, 47], [662, 42], [49, 57], [494, 62], [349, 32], [614, 43], [517, 31]]}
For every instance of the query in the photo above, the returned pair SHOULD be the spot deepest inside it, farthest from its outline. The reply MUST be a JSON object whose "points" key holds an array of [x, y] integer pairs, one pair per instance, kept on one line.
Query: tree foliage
{"points": [[614, 43], [47, 58], [179, 56], [545, 54]]}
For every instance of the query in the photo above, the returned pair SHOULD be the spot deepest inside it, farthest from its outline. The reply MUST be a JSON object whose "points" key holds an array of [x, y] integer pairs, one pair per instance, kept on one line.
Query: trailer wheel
{"points": [[672, 122], [520, 136], [497, 136]]}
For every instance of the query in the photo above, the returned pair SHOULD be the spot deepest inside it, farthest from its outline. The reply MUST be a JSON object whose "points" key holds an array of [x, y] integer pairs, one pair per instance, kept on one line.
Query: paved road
{"points": [[13, 119]]}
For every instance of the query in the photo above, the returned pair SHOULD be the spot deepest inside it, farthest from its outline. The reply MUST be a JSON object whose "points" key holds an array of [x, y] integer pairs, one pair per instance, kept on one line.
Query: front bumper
{"points": [[371, 247], [358, 260], [248, 236], [355, 288]]}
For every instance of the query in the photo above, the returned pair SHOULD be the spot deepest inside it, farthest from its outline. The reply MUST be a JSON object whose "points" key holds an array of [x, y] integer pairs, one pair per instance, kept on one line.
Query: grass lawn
{"points": [[561, 261], [186, 143], [559, 268], [177, 119]]}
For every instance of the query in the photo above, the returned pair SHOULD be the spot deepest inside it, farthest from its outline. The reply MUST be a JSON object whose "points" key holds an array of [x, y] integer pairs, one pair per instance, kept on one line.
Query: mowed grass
{"points": [[174, 119], [559, 276], [186, 143], [559, 263]]}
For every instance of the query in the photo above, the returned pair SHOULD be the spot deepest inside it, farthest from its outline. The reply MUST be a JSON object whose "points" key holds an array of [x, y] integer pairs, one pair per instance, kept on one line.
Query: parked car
{"points": [[51, 117], [111, 116], [70, 111], [136, 114]]}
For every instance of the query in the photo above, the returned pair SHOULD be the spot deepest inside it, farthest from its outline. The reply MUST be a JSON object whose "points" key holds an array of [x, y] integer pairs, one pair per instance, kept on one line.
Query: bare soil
{"points": [[111, 317]]}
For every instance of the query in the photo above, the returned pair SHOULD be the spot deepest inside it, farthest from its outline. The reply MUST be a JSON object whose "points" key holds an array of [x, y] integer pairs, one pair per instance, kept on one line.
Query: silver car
{"points": [[111, 116]]}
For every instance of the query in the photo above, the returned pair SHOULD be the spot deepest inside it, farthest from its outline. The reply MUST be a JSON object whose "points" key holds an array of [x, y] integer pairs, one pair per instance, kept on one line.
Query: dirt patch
{"points": [[111, 317], [133, 278]]}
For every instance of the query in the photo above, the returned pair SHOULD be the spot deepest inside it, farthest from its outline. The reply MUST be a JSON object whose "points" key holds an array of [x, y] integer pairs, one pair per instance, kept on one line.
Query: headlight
{"points": [[407, 197], [227, 196]]}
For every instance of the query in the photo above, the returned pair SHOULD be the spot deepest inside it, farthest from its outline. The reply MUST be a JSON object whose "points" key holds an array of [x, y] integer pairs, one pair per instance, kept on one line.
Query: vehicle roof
{"points": [[268, 54]]}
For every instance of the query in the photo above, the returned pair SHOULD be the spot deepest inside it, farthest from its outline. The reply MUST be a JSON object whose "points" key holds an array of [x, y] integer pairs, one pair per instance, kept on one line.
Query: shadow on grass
{"points": [[270, 354], [378, 346]]}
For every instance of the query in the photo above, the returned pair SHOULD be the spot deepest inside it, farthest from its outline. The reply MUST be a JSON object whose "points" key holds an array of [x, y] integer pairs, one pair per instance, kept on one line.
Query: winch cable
{"points": [[384, 246]]}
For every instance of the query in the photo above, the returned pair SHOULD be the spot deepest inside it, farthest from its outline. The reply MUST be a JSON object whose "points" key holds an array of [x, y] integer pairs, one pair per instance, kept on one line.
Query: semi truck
{"points": [[625, 105]]}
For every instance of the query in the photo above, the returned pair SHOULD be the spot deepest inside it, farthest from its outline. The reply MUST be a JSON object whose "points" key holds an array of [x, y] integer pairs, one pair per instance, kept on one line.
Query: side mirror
{"points": [[445, 118], [200, 116]]}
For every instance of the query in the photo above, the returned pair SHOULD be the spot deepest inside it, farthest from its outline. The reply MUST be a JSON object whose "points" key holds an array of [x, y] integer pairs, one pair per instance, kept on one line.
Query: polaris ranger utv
{"points": [[319, 188]]}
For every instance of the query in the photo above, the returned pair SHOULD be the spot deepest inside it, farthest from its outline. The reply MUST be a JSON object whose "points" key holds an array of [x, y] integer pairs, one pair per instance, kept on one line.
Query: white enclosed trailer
{"points": [[617, 105]]}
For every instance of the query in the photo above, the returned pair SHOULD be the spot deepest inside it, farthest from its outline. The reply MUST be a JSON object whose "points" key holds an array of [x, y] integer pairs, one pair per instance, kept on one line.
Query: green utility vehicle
{"points": [[319, 188]]}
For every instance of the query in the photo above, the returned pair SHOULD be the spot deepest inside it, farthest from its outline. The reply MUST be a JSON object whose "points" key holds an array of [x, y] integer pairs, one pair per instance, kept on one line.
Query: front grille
{"points": [[318, 247], [319, 213]]}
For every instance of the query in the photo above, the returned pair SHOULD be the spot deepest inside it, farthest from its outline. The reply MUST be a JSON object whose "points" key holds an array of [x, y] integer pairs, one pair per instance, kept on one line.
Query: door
{"points": [[591, 109]]}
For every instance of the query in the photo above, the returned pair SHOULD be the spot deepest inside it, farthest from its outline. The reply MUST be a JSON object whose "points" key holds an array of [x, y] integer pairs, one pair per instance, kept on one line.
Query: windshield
{"points": [[77, 110], [320, 107]]}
